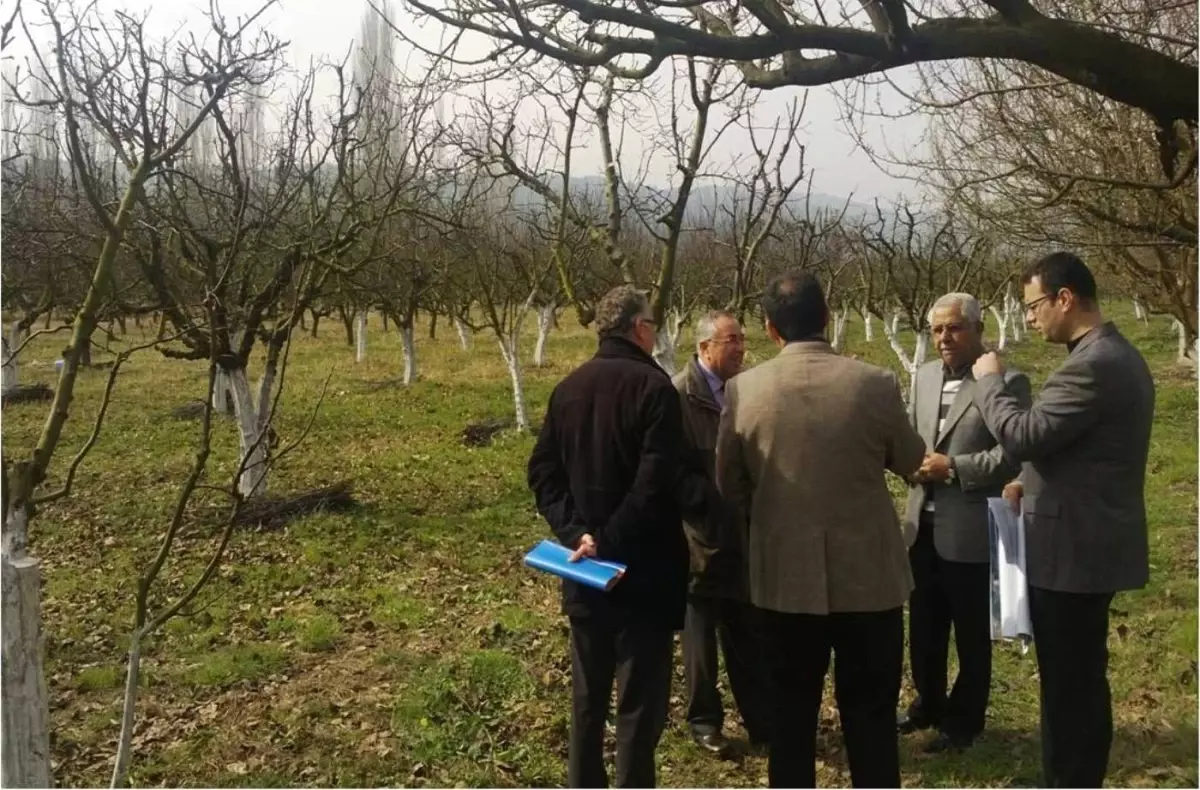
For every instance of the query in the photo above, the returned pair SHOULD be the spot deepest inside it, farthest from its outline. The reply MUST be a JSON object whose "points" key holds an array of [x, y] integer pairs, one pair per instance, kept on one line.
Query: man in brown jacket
{"points": [[718, 596], [803, 447]]}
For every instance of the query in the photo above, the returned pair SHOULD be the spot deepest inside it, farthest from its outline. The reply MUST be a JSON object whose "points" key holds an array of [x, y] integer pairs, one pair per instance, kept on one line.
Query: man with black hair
{"points": [[605, 471], [1083, 446], [802, 448]]}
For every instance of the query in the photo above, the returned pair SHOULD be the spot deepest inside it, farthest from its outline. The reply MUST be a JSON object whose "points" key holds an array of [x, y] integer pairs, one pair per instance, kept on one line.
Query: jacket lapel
{"points": [[697, 386], [962, 401], [929, 404]]}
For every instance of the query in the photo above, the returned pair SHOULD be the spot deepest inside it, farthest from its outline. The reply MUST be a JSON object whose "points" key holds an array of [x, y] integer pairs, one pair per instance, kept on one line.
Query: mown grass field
{"points": [[405, 643]]}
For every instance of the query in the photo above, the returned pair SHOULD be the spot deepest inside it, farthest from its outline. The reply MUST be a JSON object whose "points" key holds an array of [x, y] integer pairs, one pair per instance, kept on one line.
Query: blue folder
{"points": [[552, 557]]}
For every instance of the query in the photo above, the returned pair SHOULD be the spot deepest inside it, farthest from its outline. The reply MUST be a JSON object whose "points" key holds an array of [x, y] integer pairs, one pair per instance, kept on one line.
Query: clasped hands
{"points": [[934, 469]]}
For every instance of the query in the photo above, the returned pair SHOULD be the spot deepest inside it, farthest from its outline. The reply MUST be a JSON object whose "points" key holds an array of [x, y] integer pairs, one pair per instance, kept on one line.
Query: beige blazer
{"points": [[802, 447]]}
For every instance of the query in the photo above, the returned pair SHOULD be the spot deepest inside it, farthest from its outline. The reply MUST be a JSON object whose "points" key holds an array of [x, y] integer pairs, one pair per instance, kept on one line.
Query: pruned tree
{"points": [[102, 77], [762, 196], [775, 43], [909, 259], [1037, 159]]}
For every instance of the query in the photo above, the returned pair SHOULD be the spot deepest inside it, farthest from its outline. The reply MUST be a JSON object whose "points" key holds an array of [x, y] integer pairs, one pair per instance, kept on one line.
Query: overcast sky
{"points": [[321, 29]]}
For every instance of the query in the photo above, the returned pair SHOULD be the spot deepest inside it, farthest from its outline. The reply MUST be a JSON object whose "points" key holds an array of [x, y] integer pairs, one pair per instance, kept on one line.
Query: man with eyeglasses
{"points": [[718, 606], [1083, 447], [605, 473]]}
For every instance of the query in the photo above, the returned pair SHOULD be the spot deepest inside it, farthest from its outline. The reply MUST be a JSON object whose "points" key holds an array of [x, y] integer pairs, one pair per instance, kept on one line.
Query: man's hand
{"points": [[935, 468], [987, 364], [1013, 493], [586, 548]]}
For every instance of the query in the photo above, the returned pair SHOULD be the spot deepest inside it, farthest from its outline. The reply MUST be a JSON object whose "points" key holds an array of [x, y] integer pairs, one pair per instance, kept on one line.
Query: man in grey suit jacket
{"points": [[1084, 446], [947, 531]]}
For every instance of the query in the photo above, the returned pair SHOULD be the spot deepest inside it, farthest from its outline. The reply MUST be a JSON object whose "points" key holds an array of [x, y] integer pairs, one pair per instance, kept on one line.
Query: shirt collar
{"points": [[715, 383]]}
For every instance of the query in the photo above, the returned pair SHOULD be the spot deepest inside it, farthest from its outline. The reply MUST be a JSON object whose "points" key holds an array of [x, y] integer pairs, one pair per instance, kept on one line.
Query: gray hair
{"points": [[619, 308], [706, 326], [967, 305]]}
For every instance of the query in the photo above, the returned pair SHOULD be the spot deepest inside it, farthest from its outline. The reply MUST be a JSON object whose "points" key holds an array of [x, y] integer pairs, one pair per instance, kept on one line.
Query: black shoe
{"points": [[910, 721], [947, 742], [715, 744]]}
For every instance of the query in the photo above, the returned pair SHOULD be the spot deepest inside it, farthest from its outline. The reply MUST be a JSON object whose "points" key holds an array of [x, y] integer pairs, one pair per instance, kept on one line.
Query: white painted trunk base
{"points": [[1139, 312], [464, 336], [1016, 316], [869, 326], [545, 321], [1003, 320], [409, 344], [220, 399], [8, 373], [666, 342], [360, 336], [26, 709], [909, 363], [1185, 353], [266, 386], [510, 350], [839, 328], [253, 480]]}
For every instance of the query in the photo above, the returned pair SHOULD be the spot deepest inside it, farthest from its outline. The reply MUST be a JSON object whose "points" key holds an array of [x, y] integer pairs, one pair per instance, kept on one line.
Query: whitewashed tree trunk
{"points": [[1139, 312], [839, 327], [1185, 353], [133, 670], [253, 480], [9, 378], [360, 336], [545, 321], [909, 363], [266, 385], [464, 335], [510, 350], [869, 326], [1016, 316], [666, 341], [26, 709], [1003, 320], [408, 342], [220, 396], [895, 326]]}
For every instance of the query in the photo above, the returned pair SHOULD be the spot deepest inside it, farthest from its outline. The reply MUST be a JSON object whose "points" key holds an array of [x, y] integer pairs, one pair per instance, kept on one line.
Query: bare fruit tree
{"points": [[91, 59], [1044, 162], [778, 43]]}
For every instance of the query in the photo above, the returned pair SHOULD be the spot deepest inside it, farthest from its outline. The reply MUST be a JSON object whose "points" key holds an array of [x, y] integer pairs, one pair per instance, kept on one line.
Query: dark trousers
{"points": [[735, 625], [639, 656], [868, 651], [1070, 634], [949, 594]]}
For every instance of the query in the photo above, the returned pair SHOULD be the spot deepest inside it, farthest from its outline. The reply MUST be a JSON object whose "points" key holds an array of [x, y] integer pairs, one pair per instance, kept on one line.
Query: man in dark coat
{"points": [[605, 473], [718, 607]]}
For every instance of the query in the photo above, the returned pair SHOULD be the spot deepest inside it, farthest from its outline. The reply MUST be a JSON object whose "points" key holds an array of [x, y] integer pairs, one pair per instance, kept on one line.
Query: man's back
{"points": [[611, 446], [1085, 496], [805, 445]]}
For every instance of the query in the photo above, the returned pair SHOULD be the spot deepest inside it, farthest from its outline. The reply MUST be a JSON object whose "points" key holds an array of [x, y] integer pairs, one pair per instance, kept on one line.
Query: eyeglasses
{"points": [[738, 339], [1029, 308]]}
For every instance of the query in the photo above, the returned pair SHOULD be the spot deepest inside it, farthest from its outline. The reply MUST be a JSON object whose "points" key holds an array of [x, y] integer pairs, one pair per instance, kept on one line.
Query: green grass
{"points": [[404, 643]]}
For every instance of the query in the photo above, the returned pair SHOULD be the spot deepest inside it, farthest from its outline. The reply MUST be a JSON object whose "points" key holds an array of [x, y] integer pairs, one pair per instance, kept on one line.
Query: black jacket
{"points": [[607, 463]]}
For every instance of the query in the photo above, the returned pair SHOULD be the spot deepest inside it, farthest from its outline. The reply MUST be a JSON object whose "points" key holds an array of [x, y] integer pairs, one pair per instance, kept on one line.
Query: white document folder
{"points": [[1009, 589]]}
